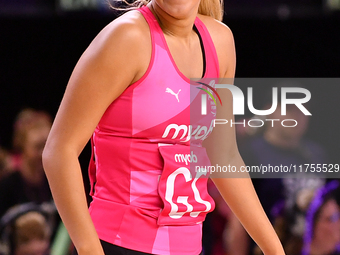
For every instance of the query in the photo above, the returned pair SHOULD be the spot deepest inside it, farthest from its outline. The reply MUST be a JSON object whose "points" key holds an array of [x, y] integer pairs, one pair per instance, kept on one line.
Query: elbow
{"points": [[226, 153], [47, 157], [50, 156], [57, 155]]}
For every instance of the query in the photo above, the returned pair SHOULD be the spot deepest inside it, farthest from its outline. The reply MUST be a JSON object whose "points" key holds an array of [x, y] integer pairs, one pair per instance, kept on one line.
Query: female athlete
{"points": [[130, 93]]}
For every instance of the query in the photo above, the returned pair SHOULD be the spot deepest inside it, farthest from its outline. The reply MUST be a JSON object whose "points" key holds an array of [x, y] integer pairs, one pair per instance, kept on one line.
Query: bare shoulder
{"points": [[223, 40], [127, 31], [216, 28], [124, 42], [130, 25]]}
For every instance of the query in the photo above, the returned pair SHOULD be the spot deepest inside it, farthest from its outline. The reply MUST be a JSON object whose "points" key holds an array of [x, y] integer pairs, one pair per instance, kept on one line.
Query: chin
{"points": [[178, 9]]}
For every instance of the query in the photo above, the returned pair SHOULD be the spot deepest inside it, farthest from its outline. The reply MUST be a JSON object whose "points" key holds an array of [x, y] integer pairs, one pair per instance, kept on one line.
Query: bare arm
{"points": [[107, 67], [237, 190], [236, 238]]}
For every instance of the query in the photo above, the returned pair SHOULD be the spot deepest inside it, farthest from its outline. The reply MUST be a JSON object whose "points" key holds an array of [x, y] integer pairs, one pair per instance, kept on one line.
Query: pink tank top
{"points": [[145, 195]]}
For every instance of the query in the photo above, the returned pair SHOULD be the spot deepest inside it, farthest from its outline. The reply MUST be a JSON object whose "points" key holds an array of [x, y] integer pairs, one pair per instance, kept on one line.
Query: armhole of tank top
{"points": [[140, 80], [209, 43], [204, 55]]}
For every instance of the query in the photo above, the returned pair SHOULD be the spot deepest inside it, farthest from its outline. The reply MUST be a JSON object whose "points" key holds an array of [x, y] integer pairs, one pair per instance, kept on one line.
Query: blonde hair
{"points": [[212, 8]]}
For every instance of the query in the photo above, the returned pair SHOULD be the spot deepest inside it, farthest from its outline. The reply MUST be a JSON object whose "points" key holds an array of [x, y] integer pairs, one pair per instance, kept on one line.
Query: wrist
{"points": [[279, 251], [88, 249]]}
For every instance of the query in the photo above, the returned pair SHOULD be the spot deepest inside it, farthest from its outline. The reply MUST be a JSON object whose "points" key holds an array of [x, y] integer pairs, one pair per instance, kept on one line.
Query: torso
{"points": [[155, 109], [129, 168], [189, 62]]}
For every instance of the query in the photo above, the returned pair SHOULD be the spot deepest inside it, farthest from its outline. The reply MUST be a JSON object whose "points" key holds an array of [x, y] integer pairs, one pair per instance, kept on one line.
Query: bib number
{"points": [[183, 185]]}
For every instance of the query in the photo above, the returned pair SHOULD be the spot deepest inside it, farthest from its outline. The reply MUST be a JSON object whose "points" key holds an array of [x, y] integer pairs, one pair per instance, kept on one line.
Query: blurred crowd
{"points": [[28, 217], [304, 211]]}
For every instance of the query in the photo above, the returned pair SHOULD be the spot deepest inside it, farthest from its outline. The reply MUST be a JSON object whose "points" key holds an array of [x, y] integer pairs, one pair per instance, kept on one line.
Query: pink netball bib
{"points": [[183, 185]]}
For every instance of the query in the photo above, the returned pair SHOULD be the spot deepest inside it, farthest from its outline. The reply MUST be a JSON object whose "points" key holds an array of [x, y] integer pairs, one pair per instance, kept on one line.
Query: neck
{"points": [[174, 24]]}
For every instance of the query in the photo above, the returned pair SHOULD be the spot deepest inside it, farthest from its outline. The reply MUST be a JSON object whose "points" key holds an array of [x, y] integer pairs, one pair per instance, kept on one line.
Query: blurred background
{"points": [[41, 41]]}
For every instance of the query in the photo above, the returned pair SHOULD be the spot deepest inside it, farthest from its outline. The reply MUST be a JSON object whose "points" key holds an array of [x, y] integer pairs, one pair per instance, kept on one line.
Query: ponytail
{"points": [[212, 8]]}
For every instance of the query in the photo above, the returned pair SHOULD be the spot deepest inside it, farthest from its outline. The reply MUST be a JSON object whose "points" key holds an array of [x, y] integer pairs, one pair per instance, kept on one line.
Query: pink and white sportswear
{"points": [[145, 195]]}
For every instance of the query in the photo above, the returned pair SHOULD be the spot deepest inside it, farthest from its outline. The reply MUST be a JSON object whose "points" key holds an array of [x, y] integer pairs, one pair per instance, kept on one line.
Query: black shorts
{"points": [[111, 249]]}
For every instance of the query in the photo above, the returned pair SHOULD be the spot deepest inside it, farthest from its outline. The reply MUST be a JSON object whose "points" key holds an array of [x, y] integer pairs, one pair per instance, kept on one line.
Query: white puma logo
{"points": [[173, 93]]}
